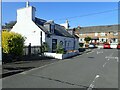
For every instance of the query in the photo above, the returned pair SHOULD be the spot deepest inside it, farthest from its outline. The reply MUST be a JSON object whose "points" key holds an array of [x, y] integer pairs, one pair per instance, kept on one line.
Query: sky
{"points": [[78, 13]]}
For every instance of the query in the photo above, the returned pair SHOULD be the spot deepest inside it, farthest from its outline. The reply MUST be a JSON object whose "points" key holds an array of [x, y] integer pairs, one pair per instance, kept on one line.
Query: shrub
{"points": [[81, 44], [87, 39], [45, 47], [12, 43], [60, 49]]}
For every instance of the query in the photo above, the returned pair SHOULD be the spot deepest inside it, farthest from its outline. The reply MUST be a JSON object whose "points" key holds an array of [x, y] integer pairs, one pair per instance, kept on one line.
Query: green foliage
{"points": [[81, 44], [9, 25], [12, 43], [45, 47], [60, 49], [87, 39]]}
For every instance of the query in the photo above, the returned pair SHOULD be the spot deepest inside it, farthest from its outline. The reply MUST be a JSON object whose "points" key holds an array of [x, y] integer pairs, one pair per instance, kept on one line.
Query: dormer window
{"points": [[47, 26], [52, 27]]}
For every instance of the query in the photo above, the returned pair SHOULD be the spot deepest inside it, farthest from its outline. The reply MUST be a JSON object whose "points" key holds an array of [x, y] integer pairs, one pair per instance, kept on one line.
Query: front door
{"points": [[54, 45]]}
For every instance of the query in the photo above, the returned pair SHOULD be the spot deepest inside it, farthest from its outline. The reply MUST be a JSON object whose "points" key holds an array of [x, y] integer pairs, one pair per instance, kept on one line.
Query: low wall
{"points": [[61, 56]]}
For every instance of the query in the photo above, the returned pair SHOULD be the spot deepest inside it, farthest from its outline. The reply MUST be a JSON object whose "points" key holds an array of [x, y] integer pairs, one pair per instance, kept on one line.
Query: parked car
{"points": [[92, 45], [113, 45], [106, 46], [118, 46], [100, 46]]}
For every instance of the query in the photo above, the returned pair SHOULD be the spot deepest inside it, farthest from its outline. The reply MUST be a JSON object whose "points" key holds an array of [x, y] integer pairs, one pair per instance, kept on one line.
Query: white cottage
{"points": [[31, 27]]}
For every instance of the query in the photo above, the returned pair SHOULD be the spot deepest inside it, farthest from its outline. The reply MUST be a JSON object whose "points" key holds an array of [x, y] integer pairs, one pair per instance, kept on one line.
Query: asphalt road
{"points": [[96, 69]]}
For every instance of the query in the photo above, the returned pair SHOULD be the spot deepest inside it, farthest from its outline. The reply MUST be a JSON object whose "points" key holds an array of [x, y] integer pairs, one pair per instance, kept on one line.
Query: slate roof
{"points": [[59, 30], [40, 21], [43, 28], [92, 29]]}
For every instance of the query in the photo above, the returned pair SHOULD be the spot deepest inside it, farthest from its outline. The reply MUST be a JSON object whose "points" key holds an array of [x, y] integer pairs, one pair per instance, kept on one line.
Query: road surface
{"points": [[96, 69]]}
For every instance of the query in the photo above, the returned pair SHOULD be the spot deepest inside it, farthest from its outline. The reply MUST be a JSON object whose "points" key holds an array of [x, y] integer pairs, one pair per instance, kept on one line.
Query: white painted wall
{"points": [[66, 24], [25, 26], [104, 39], [81, 40], [29, 30], [61, 56], [26, 13]]}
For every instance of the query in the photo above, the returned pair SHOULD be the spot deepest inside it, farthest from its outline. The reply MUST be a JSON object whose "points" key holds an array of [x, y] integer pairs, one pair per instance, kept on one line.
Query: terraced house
{"points": [[99, 34]]}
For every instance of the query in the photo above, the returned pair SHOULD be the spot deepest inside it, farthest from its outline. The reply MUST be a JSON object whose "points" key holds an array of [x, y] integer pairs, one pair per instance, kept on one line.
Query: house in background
{"points": [[99, 34], [36, 31]]}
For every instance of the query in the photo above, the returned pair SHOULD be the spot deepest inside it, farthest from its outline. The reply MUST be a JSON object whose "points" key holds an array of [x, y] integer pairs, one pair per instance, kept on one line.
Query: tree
{"points": [[12, 43], [87, 39], [9, 25]]}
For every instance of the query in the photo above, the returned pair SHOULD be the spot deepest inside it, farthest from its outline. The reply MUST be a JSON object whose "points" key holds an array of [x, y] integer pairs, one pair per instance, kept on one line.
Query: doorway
{"points": [[54, 45]]}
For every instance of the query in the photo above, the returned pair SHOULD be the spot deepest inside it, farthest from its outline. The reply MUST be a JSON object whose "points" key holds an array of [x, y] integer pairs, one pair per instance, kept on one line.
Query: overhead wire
{"points": [[90, 14]]}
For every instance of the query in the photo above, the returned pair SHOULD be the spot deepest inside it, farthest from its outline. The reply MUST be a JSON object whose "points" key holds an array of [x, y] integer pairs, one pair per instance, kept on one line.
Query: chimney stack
{"points": [[27, 4]]}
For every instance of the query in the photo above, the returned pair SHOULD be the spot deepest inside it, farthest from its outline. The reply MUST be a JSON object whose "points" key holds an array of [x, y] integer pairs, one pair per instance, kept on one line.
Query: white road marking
{"points": [[108, 59], [117, 60], [92, 84], [111, 57], [104, 64], [99, 52]]}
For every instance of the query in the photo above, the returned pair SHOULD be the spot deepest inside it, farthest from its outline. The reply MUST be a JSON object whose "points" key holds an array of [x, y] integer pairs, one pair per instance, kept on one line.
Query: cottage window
{"points": [[80, 34], [96, 34], [115, 33], [47, 26], [61, 43], [102, 40], [114, 39]]}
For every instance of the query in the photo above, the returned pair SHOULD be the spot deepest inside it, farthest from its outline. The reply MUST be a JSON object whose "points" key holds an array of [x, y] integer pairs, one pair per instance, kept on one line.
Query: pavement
{"points": [[96, 69], [12, 68]]}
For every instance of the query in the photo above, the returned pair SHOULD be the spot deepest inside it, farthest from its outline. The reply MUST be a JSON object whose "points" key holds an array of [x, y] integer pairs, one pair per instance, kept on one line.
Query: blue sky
{"points": [[60, 11]]}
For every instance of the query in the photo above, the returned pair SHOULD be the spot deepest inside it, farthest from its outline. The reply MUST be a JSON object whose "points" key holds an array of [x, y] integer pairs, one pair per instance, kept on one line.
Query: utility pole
{"points": [[41, 42]]}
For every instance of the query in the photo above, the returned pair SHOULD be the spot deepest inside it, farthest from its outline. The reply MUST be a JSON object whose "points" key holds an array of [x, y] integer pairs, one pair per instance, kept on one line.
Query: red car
{"points": [[118, 46], [106, 46]]}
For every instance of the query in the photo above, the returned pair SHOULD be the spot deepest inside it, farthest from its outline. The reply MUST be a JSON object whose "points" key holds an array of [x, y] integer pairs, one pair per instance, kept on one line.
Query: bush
{"points": [[12, 43], [81, 44], [45, 47], [60, 49], [87, 39]]}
